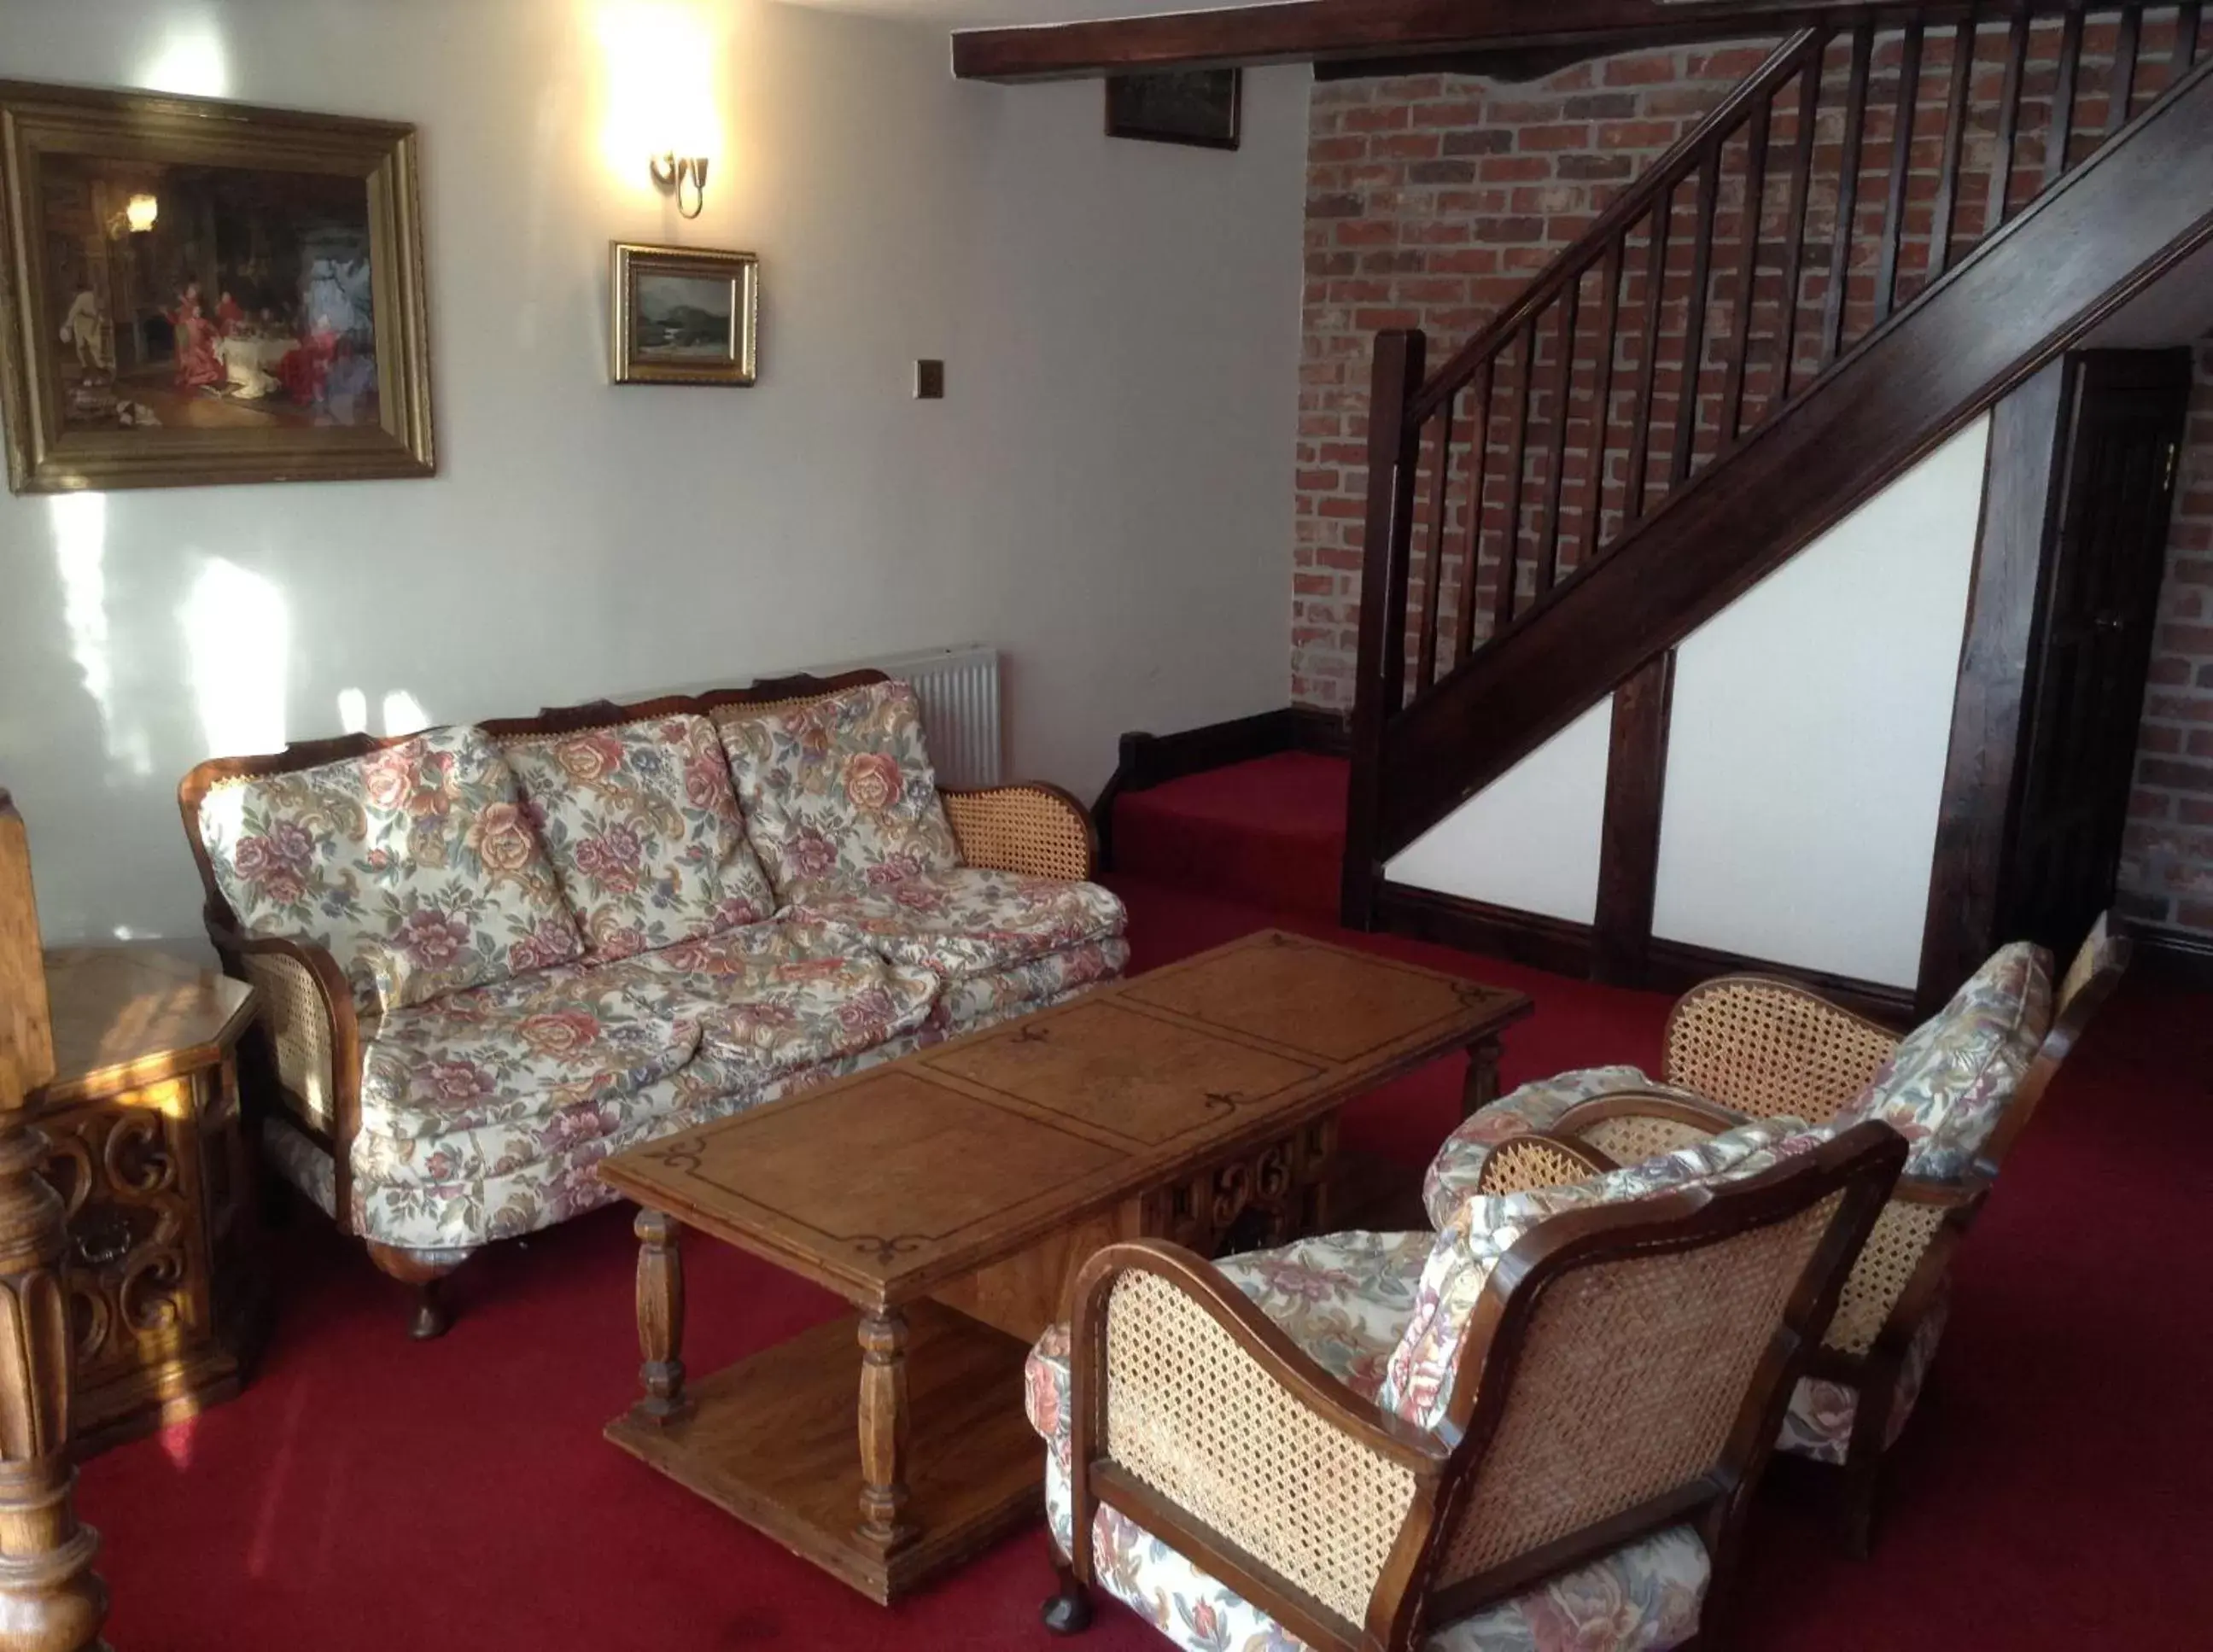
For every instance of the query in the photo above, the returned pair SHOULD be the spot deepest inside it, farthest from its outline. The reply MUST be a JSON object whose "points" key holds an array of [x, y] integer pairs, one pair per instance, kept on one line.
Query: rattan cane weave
{"points": [[1194, 1417], [1630, 1139], [1029, 829], [1767, 1047], [1880, 1277], [1630, 1380], [299, 1029], [1521, 1162]]}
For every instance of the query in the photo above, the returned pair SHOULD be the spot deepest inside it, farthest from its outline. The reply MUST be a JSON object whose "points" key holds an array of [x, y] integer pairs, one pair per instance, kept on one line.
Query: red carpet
{"points": [[369, 1493], [1270, 833]]}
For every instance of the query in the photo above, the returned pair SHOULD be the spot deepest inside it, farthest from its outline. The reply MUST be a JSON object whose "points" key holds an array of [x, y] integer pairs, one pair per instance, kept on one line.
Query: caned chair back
{"points": [[1741, 1036]]}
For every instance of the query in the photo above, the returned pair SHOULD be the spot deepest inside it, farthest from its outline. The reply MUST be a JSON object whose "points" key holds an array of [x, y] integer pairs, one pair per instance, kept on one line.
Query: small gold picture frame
{"points": [[683, 316]]}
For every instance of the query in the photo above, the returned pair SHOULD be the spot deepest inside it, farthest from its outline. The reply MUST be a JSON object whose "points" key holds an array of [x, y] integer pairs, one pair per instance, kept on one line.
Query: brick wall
{"points": [[2166, 860]]}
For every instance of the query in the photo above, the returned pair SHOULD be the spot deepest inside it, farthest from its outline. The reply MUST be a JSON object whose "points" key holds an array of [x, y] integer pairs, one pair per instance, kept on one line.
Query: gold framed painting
{"points": [[198, 291], [683, 316]]}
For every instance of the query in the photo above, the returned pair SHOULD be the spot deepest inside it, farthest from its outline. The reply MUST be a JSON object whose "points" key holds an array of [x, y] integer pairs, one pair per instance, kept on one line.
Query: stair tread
{"points": [[1288, 793], [1270, 830]]}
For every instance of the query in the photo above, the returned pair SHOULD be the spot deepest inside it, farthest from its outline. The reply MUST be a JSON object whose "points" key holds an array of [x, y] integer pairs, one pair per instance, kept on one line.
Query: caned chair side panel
{"points": [[1191, 1414], [1522, 1163], [1022, 828], [1885, 1267], [1630, 1139], [1628, 1386], [1768, 1047]]}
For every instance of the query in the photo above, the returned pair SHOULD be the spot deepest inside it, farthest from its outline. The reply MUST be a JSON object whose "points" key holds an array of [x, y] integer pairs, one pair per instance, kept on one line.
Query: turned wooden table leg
{"points": [[883, 1428], [660, 1317], [50, 1600], [1481, 1088]]}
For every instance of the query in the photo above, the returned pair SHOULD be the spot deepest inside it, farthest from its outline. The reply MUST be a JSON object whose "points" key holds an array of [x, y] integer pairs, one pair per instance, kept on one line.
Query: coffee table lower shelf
{"points": [[772, 1439]]}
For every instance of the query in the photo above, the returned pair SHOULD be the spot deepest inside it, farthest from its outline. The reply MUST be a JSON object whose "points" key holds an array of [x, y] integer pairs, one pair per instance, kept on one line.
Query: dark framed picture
{"points": [[683, 316], [197, 292], [1181, 106]]}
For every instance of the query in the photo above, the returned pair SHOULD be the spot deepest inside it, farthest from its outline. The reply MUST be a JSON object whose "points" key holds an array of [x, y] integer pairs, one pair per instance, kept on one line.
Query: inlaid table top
{"points": [[887, 1184]]}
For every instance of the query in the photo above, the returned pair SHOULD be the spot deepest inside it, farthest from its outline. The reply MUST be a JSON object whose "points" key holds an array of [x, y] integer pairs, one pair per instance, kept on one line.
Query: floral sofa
{"points": [[493, 955]]}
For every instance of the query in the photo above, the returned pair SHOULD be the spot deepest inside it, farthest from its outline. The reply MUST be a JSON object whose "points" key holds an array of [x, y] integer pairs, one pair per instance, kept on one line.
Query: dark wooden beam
{"points": [[1629, 838], [1334, 32]]}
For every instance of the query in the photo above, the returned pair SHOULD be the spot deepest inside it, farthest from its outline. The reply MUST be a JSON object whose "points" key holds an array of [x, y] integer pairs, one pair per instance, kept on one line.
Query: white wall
{"points": [[1105, 494], [1805, 757], [1530, 839]]}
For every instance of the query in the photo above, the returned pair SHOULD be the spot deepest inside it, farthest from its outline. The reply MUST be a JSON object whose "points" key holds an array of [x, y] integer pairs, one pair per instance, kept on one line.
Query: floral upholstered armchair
{"points": [[1539, 1428], [1960, 1087], [493, 955]]}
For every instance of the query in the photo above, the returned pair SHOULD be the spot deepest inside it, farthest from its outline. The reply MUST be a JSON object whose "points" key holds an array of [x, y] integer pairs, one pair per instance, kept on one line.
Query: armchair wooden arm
{"points": [[1627, 1125], [1767, 1046], [1031, 827]]}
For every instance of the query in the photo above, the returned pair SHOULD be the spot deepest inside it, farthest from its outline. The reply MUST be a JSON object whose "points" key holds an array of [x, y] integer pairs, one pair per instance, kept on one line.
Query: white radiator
{"points": [[959, 688]]}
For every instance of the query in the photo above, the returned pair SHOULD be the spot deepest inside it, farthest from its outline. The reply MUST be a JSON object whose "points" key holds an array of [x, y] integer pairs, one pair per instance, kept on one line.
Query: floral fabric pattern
{"points": [[1819, 1423], [1031, 986], [642, 823], [416, 866], [1345, 1298], [840, 791], [1948, 1081], [968, 921], [1417, 1383]]}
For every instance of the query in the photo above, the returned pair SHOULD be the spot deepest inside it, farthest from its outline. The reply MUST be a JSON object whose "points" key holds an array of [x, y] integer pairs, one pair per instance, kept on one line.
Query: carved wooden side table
{"points": [[167, 1293]]}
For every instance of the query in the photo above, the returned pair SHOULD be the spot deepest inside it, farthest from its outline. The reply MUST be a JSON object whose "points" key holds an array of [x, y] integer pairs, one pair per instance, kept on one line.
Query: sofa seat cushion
{"points": [[1484, 1228], [967, 921], [840, 790], [1950, 1080], [415, 865], [1642, 1597], [772, 998], [978, 1000], [520, 1050], [642, 823]]}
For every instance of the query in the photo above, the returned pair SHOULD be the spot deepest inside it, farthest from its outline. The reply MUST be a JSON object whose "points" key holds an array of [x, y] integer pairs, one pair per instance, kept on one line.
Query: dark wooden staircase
{"points": [[1877, 235]]}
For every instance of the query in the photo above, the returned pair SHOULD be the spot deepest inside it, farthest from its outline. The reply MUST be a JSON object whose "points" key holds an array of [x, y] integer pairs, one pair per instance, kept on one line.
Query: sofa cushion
{"points": [[642, 826], [1483, 1229], [415, 865], [969, 921], [976, 1001], [840, 790], [1949, 1081], [771, 999], [520, 1050]]}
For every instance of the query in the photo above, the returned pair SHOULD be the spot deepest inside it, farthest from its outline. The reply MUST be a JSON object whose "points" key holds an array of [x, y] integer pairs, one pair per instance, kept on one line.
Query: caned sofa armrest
{"points": [[1031, 828], [1197, 1417], [315, 1034], [1766, 1046]]}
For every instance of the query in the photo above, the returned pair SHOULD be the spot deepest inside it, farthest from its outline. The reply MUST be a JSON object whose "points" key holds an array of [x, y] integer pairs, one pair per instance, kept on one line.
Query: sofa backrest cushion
{"points": [[1418, 1378], [1950, 1080], [840, 793], [416, 865], [642, 826]]}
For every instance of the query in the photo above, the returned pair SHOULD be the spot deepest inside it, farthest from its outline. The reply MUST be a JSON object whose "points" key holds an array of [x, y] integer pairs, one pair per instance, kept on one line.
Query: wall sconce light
{"points": [[140, 211], [671, 173]]}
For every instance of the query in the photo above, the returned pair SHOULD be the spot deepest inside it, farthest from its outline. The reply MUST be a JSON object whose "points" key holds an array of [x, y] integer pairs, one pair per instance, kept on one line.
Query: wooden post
{"points": [[50, 1599], [26, 1033], [883, 1419], [660, 1317]]}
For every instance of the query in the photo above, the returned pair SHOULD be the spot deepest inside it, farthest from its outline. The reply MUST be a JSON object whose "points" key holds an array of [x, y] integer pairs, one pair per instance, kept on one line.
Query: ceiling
{"points": [[973, 14]]}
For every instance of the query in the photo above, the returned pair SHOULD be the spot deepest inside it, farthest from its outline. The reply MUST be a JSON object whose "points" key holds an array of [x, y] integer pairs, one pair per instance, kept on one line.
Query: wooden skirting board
{"points": [[1565, 948], [1149, 760], [2174, 955]]}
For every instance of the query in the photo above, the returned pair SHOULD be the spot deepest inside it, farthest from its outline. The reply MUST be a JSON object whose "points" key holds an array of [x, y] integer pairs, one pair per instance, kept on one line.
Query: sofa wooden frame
{"points": [[1857, 1169], [1929, 1218], [312, 1030]]}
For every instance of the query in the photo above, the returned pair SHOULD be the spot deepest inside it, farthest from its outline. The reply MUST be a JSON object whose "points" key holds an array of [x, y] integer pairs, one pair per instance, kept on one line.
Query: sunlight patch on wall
{"points": [[404, 713], [661, 63], [80, 524], [238, 648], [353, 711], [189, 58]]}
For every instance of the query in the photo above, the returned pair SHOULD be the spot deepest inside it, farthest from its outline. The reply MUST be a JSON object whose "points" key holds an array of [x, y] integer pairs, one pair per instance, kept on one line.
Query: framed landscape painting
{"points": [[198, 291], [683, 316]]}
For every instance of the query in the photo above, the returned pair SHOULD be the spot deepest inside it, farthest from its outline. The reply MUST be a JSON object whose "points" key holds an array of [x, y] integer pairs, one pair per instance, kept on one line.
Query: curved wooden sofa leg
{"points": [[1068, 1611], [424, 1270]]}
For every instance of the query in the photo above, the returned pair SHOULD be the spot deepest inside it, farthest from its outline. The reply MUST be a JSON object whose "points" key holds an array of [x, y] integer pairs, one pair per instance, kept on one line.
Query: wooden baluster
{"points": [[659, 1303], [2124, 69], [1794, 223], [1901, 164], [1656, 286], [1955, 132], [1694, 324], [1747, 272], [1425, 669], [2187, 23], [1602, 409], [2063, 99], [1478, 458], [1994, 215], [1848, 187], [50, 1599], [1502, 608], [1548, 532], [885, 1525]]}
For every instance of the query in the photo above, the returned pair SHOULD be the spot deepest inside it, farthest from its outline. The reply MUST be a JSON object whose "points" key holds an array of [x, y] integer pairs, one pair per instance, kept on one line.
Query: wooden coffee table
{"points": [[950, 1195]]}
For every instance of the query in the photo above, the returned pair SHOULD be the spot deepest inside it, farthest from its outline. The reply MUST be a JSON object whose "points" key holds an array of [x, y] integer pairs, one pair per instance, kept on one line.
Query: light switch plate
{"points": [[928, 381]]}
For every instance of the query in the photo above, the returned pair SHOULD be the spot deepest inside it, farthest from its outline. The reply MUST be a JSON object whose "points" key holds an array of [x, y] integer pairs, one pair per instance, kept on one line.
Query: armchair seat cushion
{"points": [[966, 921]]}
